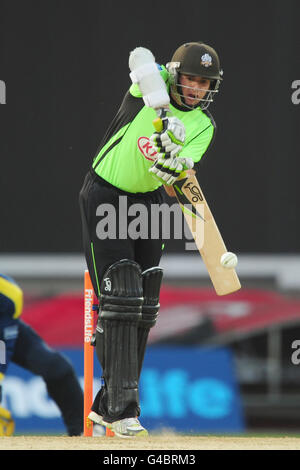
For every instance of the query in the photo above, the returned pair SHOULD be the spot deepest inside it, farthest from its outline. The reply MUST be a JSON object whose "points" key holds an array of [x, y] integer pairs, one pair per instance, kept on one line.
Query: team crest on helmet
{"points": [[206, 60]]}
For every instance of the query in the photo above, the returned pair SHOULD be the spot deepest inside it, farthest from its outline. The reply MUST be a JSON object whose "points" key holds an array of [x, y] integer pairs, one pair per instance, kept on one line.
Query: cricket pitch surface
{"points": [[154, 442]]}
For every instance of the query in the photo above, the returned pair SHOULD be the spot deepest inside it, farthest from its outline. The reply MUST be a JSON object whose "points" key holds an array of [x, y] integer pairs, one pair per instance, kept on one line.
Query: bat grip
{"points": [[160, 125], [160, 122]]}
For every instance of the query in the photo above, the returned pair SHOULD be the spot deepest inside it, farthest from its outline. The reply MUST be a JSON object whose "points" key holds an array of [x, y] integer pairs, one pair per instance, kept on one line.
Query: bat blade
{"points": [[206, 235]]}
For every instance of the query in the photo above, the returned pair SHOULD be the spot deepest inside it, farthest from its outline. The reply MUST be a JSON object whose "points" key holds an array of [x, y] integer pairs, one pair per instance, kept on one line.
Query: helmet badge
{"points": [[206, 60]]}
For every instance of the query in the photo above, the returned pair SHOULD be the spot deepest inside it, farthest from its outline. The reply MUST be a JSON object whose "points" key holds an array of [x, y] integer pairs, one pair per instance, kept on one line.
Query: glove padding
{"points": [[168, 170], [7, 424], [169, 142]]}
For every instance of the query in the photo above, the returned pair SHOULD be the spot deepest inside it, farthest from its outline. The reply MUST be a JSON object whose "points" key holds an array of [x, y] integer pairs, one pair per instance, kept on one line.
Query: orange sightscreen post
{"points": [[88, 352]]}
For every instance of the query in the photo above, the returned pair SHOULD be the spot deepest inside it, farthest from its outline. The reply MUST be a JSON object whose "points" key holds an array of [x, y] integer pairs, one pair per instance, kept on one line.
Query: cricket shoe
{"points": [[99, 430], [95, 418], [101, 427], [127, 428]]}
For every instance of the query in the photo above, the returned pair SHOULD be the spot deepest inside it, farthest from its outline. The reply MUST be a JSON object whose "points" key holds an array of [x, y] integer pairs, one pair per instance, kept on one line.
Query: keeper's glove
{"points": [[167, 170], [7, 424], [170, 141]]}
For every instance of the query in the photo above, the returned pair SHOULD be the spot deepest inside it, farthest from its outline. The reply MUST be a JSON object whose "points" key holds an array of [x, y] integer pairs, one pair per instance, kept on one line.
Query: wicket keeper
{"points": [[25, 347]]}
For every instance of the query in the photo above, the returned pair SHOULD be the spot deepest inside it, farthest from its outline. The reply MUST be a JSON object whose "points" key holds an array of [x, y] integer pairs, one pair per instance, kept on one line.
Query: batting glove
{"points": [[167, 170], [170, 141]]}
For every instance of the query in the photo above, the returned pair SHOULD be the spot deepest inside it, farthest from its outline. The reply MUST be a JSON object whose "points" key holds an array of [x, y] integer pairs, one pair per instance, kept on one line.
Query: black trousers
{"points": [[101, 202], [110, 234]]}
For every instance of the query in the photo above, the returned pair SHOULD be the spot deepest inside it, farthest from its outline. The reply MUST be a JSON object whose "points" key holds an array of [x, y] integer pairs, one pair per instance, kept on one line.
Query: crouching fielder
{"points": [[131, 166], [24, 347]]}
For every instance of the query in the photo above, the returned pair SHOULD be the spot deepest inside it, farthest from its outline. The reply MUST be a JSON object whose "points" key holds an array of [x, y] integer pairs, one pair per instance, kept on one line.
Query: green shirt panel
{"points": [[199, 132], [126, 165], [110, 143]]}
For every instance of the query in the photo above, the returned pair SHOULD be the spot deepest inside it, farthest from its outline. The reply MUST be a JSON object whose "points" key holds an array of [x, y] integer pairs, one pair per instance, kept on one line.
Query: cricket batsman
{"points": [[134, 163], [25, 347]]}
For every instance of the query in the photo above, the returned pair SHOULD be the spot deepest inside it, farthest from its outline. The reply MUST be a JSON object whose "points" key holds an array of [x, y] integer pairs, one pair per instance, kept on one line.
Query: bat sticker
{"points": [[197, 196]]}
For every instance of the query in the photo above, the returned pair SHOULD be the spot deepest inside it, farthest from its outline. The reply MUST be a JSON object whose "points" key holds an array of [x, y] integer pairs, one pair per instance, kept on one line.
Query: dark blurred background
{"points": [[65, 68]]}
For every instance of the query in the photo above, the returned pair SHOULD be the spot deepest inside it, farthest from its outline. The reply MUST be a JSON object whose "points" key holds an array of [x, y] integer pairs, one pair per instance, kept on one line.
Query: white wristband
{"points": [[157, 99]]}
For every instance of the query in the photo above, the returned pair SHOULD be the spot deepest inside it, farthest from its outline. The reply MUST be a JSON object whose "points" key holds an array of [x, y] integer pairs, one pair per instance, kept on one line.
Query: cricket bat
{"points": [[187, 189], [204, 229], [206, 234]]}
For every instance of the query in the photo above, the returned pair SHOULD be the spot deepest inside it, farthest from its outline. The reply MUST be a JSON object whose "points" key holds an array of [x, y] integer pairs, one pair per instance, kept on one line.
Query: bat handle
{"points": [[186, 174], [160, 122]]}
